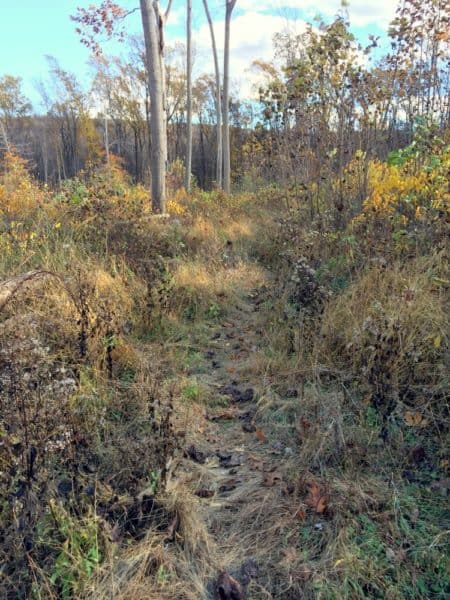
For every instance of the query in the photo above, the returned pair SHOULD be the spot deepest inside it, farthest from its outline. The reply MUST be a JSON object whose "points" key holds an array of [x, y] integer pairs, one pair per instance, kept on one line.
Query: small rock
{"points": [[248, 571], [228, 486], [65, 487], [247, 395], [204, 493], [196, 455], [233, 459], [90, 468], [227, 588]]}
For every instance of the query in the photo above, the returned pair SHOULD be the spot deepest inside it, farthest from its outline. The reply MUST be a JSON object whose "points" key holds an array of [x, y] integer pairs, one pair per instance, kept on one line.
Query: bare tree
{"points": [[230, 4], [189, 94], [153, 25], [102, 19], [218, 97]]}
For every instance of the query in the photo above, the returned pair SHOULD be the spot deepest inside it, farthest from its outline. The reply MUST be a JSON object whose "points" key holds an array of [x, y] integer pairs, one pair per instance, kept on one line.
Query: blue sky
{"points": [[31, 29]]}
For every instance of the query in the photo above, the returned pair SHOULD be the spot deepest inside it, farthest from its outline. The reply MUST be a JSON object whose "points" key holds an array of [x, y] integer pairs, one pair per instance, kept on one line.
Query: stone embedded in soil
{"points": [[247, 395], [230, 459], [230, 390], [249, 570], [229, 486], [227, 588], [236, 394], [194, 454], [204, 493], [65, 487]]}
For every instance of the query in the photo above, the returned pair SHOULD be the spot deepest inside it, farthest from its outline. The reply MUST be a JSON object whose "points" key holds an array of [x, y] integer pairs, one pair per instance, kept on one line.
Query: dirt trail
{"points": [[229, 463]]}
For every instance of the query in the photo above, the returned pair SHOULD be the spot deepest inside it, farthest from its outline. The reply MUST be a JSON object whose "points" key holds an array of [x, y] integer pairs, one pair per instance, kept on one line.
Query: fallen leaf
{"points": [[442, 486], [115, 534], [172, 528], [414, 516], [260, 435], [400, 555], [304, 423], [316, 498], [228, 588], [228, 414], [256, 464], [272, 478], [300, 514], [303, 428], [290, 555], [417, 454], [414, 419]]}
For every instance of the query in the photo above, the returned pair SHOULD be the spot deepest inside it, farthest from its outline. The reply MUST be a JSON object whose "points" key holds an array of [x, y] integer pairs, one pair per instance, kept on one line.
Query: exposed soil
{"points": [[229, 463]]}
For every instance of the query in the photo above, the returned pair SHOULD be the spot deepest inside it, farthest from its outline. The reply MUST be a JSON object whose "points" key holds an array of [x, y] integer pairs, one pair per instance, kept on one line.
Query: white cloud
{"points": [[362, 12], [177, 16], [251, 39], [256, 21]]}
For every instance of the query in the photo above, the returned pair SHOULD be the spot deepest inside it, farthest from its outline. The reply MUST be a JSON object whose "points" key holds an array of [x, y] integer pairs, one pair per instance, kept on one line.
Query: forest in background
{"points": [[245, 397], [322, 99]]}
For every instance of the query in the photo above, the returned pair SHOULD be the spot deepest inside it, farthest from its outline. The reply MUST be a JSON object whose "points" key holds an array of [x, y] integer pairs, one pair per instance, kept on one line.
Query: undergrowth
{"points": [[103, 309]]}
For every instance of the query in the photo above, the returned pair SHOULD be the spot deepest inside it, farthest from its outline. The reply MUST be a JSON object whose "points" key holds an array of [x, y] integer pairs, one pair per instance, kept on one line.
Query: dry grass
{"points": [[390, 327], [157, 568], [129, 310]]}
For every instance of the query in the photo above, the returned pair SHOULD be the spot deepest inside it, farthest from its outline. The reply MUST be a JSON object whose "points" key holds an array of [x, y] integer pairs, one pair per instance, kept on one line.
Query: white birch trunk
{"points": [[226, 93], [219, 158], [153, 23], [189, 95]]}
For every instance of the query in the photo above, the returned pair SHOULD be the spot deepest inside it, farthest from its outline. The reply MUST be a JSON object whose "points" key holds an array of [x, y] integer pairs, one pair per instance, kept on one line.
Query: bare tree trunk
{"points": [[153, 23], [5, 136], [189, 94], [107, 143], [218, 97], [226, 93]]}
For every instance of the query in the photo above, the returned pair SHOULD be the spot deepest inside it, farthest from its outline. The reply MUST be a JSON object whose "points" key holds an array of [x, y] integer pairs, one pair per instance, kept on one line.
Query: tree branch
{"points": [[166, 14]]}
